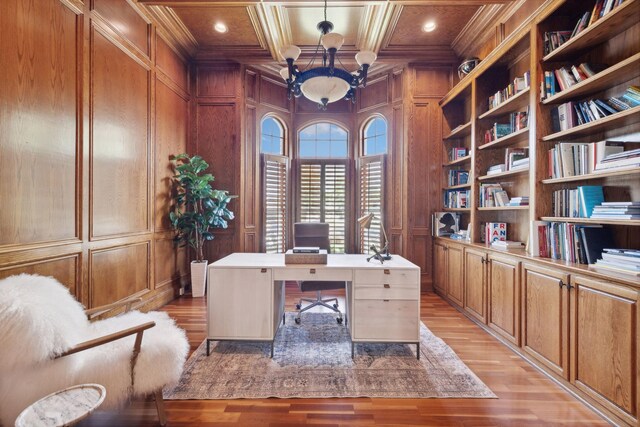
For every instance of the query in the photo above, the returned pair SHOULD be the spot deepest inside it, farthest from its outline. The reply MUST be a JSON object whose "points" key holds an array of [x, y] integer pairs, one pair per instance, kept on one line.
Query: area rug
{"points": [[313, 359]]}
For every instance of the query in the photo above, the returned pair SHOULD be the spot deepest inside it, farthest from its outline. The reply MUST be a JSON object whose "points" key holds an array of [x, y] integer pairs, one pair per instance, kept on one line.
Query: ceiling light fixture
{"points": [[327, 83], [220, 27], [429, 27]]}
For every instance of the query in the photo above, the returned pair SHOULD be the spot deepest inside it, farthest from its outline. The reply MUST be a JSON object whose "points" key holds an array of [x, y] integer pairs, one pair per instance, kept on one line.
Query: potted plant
{"points": [[198, 208]]}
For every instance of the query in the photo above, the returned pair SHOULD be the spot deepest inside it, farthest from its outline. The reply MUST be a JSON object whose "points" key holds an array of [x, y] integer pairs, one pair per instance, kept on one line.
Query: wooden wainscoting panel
{"points": [[64, 269], [171, 64], [251, 172], [251, 85], [504, 297], [376, 94], [216, 82], [125, 21], [396, 178], [273, 93], [38, 120], [170, 262], [397, 85], [431, 82], [119, 149], [172, 117], [117, 273]]}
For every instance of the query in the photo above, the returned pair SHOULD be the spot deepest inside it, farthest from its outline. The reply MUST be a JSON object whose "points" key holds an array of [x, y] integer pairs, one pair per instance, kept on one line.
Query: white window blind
{"points": [[276, 173], [371, 200], [323, 197]]}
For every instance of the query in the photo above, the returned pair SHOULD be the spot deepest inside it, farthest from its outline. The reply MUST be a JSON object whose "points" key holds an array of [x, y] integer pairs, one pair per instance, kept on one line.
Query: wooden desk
{"points": [[245, 299]]}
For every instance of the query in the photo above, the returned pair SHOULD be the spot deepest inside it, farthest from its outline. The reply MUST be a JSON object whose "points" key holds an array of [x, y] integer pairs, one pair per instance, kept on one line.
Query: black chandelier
{"points": [[327, 83]]}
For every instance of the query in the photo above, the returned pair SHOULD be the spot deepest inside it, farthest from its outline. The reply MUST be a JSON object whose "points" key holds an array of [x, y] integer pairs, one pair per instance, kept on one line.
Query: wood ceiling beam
{"points": [[183, 3]]}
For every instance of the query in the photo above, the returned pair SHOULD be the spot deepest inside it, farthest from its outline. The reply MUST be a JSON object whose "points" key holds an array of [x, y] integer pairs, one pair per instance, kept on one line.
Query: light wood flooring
{"points": [[526, 397]]}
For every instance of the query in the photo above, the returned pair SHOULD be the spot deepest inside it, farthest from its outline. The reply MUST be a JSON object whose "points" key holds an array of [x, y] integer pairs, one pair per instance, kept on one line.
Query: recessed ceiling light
{"points": [[429, 26], [220, 27]]}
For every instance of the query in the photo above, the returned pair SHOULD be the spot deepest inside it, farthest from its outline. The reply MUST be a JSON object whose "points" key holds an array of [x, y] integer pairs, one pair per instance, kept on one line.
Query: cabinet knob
{"points": [[387, 271], [387, 286], [312, 271], [561, 284], [263, 270]]}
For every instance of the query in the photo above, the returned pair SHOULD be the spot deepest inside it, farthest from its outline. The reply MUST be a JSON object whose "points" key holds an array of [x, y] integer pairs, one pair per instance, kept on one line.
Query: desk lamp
{"points": [[382, 255]]}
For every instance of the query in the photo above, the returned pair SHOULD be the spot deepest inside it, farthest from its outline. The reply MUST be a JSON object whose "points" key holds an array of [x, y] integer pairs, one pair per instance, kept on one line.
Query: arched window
{"points": [[275, 178], [323, 179], [272, 136], [375, 137]]}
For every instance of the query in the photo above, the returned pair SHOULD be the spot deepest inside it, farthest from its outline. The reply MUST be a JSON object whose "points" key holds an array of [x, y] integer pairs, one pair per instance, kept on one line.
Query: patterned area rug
{"points": [[313, 359]]}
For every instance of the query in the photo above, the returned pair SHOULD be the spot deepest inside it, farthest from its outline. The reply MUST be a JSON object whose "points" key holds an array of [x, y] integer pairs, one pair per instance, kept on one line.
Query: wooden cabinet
{"points": [[475, 283], [455, 289], [448, 266], [545, 316], [440, 267], [504, 297], [604, 344]]}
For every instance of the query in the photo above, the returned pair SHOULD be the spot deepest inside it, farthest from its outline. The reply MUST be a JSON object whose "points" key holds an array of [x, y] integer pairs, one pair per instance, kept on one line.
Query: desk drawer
{"points": [[312, 273], [407, 291], [391, 320], [389, 276]]}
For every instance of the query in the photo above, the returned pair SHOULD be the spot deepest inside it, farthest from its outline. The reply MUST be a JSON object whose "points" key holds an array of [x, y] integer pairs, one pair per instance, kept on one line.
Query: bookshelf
{"points": [[621, 119], [460, 161], [501, 175], [513, 104], [629, 222], [513, 138], [629, 172], [459, 132]]}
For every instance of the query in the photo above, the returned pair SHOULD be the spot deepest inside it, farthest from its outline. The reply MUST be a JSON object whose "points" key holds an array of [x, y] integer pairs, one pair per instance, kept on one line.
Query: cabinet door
{"points": [[440, 267], [240, 304], [475, 284], [455, 288], [604, 344], [545, 316], [504, 297]]}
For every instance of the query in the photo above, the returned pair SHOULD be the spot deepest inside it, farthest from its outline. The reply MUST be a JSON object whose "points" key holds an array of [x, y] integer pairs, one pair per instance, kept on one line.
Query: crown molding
{"points": [[172, 29], [373, 26]]}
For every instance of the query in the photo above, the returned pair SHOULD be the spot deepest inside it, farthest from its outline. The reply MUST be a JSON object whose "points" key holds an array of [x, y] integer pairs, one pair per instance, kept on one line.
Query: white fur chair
{"points": [[47, 344]]}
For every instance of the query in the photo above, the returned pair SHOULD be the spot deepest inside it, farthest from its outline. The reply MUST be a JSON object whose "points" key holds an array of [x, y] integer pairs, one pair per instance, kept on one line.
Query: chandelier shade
{"points": [[326, 83]]}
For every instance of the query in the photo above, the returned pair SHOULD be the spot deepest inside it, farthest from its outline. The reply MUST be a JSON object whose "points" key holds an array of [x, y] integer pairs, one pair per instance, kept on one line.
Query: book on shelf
{"points": [[456, 199], [457, 177], [554, 39], [496, 169], [572, 159], [495, 231], [518, 85], [306, 250], [506, 244], [578, 243], [617, 210], [520, 164], [456, 153], [519, 201], [513, 155], [486, 195], [590, 196], [625, 261], [517, 121], [578, 202]]}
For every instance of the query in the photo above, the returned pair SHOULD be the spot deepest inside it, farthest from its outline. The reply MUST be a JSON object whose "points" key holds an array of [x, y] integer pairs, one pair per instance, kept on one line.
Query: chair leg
{"points": [[162, 415]]}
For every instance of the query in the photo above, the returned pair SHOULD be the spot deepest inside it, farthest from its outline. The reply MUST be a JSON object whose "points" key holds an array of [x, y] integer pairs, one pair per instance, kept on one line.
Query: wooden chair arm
{"points": [[96, 311], [109, 338]]}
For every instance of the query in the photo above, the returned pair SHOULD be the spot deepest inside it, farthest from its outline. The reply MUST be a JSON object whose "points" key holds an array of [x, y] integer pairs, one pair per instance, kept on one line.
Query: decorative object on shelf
{"points": [[445, 223], [466, 66], [198, 207], [382, 255], [326, 83]]}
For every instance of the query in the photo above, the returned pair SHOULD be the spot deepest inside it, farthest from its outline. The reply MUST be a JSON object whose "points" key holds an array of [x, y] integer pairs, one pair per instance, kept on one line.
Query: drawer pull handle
{"points": [[312, 271], [387, 271], [263, 270], [387, 286], [385, 300]]}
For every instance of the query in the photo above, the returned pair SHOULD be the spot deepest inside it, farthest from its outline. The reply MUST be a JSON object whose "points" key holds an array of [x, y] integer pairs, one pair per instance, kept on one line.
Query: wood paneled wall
{"points": [[94, 102]]}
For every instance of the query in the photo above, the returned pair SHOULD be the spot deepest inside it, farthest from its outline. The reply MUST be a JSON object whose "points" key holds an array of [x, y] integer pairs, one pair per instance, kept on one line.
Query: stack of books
{"points": [[516, 158], [622, 159], [570, 114], [458, 177], [495, 169], [495, 231], [517, 121], [625, 261], [617, 210], [306, 250], [519, 201], [577, 203], [456, 199], [506, 244], [569, 242], [555, 39], [518, 85], [457, 152], [563, 78]]}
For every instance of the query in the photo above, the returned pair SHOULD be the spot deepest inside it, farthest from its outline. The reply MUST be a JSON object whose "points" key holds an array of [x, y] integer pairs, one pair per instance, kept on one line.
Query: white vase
{"points": [[198, 278]]}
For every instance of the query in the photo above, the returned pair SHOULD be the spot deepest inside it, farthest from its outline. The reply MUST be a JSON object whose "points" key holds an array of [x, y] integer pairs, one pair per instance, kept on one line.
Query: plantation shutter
{"points": [[371, 200], [276, 172], [323, 197]]}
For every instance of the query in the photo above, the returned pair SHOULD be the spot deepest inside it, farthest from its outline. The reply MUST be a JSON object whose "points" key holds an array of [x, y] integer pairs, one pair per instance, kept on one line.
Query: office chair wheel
{"points": [[339, 320], [335, 306], [298, 306], [297, 320]]}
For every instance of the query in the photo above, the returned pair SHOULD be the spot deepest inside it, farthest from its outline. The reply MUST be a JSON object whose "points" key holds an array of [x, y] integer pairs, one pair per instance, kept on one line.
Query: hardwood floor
{"points": [[525, 396]]}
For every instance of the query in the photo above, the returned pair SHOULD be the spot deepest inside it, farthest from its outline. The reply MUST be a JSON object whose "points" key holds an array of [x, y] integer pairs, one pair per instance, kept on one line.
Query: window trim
{"points": [[285, 134], [363, 129], [303, 125]]}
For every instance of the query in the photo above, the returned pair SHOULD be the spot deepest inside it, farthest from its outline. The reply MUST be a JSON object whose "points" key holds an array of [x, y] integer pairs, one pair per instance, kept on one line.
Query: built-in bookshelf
{"points": [[502, 175]]}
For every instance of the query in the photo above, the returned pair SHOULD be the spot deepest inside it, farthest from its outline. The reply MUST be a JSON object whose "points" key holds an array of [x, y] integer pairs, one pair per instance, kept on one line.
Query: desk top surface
{"points": [[258, 260]]}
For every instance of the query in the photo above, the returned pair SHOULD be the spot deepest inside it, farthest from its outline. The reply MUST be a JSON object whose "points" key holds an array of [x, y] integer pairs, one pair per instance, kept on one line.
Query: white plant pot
{"points": [[198, 278]]}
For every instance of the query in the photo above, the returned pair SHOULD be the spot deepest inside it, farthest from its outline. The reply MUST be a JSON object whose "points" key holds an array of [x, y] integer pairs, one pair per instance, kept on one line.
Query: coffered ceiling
{"points": [[258, 29]]}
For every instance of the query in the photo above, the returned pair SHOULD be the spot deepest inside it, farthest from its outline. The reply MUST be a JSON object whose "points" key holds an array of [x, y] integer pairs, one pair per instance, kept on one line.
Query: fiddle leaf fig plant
{"points": [[197, 206]]}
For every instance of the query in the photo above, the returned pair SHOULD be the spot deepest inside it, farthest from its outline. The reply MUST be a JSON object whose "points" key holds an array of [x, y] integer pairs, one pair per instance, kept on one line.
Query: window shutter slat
{"points": [[276, 172], [371, 188]]}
